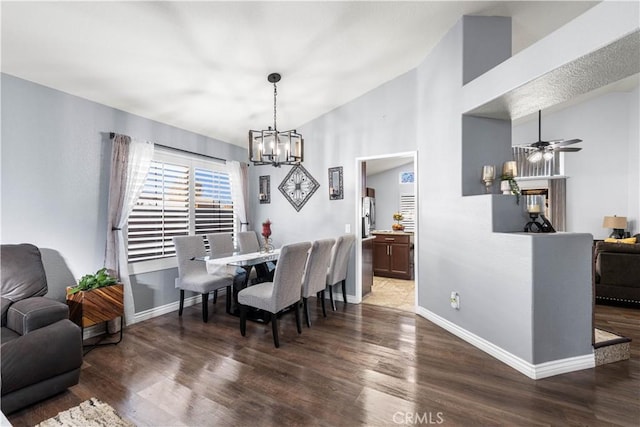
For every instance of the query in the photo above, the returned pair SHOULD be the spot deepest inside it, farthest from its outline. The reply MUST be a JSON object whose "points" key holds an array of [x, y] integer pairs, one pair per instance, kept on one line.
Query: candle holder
{"points": [[535, 207], [488, 175], [266, 234]]}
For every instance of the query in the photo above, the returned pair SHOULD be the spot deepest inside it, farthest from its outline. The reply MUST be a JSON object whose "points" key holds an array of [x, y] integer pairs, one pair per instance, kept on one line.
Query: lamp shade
{"points": [[619, 222]]}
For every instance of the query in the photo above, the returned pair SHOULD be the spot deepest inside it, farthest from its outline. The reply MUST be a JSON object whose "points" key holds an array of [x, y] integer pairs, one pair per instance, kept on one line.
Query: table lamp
{"points": [[618, 223]]}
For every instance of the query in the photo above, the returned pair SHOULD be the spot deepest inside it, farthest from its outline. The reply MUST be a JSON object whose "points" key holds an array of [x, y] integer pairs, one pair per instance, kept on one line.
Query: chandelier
{"points": [[271, 146]]}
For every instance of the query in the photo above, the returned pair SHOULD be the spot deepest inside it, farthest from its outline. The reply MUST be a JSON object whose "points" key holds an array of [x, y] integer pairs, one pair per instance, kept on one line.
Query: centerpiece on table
{"points": [[266, 233]]}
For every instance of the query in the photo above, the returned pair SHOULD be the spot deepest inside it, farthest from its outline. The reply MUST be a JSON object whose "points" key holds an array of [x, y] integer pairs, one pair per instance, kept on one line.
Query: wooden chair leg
{"points": [[344, 291], [296, 307], [215, 296], [274, 328], [333, 303], [181, 302], [243, 319], [306, 312], [205, 307], [322, 298]]}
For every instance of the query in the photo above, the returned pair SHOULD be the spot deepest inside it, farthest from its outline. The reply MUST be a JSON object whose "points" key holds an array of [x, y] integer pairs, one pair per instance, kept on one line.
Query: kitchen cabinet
{"points": [[392, 255]]}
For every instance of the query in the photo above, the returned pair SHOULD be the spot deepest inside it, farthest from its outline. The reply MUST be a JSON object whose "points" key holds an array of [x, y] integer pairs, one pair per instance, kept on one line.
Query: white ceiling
{"points": [[202, 66]]}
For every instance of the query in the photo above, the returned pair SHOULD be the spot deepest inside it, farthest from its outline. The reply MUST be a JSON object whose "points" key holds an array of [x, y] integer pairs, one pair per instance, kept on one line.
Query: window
{"points": [[408, 211], [182, 195]]}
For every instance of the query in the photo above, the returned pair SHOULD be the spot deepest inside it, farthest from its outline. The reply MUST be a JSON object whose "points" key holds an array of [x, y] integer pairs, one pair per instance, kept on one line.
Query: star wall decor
{"points": [[298, 186]]}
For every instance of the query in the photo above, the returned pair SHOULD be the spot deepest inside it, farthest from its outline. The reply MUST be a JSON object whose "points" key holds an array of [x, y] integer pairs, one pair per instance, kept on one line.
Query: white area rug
{"points": [[90, 413]]}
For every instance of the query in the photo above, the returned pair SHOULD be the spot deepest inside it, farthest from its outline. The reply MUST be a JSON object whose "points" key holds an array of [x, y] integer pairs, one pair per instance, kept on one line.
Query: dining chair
{"points": [[248, 243], [193, 275], [314, 281], [221, 245], [337, 272], [280, 294]]}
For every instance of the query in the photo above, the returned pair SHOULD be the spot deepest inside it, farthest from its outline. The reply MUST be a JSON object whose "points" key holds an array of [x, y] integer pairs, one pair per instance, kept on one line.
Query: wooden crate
{"points": [[88, 308]]}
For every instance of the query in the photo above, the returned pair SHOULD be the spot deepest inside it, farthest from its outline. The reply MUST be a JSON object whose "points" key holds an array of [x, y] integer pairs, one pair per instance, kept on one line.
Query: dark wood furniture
{"points": [[392, 255], [89, 308], [367, 265]]}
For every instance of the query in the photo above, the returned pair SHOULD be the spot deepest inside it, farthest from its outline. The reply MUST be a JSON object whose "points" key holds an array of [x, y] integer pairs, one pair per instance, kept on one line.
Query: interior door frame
{"points": [[358, 220]]}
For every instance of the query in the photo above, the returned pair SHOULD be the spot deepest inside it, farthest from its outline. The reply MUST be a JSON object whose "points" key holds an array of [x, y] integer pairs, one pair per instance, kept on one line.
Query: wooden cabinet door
{"points": [[381, 262], [399, 260]]}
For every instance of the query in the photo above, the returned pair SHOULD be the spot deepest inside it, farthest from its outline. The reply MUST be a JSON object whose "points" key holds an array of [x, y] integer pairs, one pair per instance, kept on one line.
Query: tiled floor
{"points": [[394, 293]]}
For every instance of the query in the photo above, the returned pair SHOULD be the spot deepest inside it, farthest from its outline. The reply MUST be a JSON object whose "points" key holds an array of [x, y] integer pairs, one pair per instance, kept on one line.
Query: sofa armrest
{"points": [[42, 354], [30, 314]]}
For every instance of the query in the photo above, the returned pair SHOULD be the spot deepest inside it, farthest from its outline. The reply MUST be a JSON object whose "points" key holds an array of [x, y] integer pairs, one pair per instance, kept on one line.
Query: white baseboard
{"points": [[167, 308], [536, 372]]}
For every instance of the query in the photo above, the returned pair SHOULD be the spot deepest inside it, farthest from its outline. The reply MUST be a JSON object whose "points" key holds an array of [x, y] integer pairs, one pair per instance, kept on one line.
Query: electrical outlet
{"points": [[347, 228], [455, 300]]}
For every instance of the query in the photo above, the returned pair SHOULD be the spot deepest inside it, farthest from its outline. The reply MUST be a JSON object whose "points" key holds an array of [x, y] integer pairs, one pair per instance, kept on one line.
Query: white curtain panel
{"points": [[130, 163], [238, 172]]}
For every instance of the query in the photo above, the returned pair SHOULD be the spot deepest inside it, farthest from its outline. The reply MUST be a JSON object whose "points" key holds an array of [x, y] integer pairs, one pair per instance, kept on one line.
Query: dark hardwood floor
{"points": [[362, 365]]}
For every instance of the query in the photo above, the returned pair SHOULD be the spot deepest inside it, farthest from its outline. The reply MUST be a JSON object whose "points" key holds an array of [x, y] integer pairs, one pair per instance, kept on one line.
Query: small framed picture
{"points": [[265, 189], [406, 178], [336, 189]]}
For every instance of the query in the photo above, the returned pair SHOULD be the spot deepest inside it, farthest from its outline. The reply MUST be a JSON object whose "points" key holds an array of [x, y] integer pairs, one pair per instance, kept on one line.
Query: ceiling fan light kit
{"points": [[547, 149], [273, 147]]}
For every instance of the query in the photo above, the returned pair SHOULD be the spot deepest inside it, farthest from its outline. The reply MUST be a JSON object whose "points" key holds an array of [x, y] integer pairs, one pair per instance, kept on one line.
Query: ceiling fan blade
{"points": [[526, 147], [567, 149], [565, 143], [555, 141]]}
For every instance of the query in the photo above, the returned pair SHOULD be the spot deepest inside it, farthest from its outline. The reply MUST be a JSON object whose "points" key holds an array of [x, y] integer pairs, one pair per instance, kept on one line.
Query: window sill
{"points": [[152, 265]]}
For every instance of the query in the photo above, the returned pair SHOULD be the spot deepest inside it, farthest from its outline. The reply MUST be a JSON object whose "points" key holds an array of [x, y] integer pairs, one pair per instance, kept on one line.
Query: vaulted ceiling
{"points": [[203, 66]]}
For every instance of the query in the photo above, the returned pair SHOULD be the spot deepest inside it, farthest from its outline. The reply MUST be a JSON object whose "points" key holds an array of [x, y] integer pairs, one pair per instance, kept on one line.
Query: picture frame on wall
{"points": [[264, 185], [336, 187]]}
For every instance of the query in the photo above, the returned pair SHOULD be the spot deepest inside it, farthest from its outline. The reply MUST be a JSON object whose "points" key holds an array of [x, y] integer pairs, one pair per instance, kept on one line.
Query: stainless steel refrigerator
{"points": [[368, 215]]}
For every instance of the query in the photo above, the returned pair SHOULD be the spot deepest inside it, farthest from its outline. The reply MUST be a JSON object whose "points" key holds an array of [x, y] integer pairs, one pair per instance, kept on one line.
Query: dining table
{"points": [[226, 265]]}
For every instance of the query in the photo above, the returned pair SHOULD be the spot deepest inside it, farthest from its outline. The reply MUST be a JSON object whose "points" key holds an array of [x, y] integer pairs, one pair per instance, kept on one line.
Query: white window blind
{"points": [[213, 202], [408, 211], [183, 195], [162, 211]]}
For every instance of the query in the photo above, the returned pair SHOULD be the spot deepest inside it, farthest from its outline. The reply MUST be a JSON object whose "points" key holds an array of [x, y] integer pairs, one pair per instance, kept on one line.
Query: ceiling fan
{"points": [[545, 149]]}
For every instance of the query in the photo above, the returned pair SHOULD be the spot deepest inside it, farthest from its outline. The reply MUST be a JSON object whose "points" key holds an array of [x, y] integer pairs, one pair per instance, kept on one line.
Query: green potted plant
{"points": [[95, 299]]}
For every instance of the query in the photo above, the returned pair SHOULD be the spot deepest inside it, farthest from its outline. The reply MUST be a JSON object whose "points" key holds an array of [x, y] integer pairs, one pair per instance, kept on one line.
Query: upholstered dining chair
{"points": [[248, 243], [283, 292], [193, 275], [221, 245], [337, 272], [314, 281]]}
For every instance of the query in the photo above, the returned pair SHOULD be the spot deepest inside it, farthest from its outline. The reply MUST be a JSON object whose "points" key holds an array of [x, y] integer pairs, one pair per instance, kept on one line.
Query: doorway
{"points": [[393, 178]]}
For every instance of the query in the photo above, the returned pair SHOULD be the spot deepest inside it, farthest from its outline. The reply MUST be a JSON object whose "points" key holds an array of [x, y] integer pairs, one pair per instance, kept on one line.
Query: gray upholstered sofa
{"points": [[41, 351]]}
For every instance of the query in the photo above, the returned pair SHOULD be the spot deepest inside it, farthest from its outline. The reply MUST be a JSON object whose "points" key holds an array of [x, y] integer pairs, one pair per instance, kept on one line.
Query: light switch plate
{"points": [[347, 228]]}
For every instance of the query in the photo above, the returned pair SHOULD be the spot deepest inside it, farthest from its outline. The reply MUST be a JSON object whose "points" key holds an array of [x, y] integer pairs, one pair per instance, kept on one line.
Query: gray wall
{"points": [[55, 167], [388, 191], [603, 177], [380, 122]]}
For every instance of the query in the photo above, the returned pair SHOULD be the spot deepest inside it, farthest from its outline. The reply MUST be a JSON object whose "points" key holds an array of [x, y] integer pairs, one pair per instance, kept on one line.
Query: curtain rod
{"points": [[113, 134]]}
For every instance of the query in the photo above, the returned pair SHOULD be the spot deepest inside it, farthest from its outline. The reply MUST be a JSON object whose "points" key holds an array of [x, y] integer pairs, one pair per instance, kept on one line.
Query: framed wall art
{"points": [[264, 187], [298, 187], [336, 188]]}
